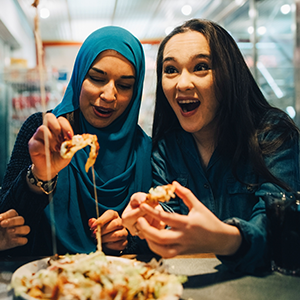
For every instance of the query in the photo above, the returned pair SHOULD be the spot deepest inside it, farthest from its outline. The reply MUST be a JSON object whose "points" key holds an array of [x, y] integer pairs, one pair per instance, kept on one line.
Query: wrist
{"points": [[231, 242], [37, 184], [41, 174]]}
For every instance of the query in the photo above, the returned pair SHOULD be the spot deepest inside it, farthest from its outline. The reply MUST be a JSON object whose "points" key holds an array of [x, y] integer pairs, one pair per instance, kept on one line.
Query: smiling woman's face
{"points": [[107, 88], [187, 82]]}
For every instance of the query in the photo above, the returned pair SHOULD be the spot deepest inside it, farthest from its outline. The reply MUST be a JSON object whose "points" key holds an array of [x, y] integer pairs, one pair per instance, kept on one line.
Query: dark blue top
{"points": [[177, 158]]}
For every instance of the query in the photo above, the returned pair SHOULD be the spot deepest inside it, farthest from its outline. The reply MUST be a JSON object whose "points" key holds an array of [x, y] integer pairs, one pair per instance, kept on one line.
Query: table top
{"points": [[207, 279]]}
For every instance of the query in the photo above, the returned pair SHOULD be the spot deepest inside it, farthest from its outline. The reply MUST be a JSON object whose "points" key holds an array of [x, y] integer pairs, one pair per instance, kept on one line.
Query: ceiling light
{"points": [[261, 30], [285, 9], [186, 10], [44, 13], [291, 111], [168, 30], [239, 2], [252, 13], [250, 30]]}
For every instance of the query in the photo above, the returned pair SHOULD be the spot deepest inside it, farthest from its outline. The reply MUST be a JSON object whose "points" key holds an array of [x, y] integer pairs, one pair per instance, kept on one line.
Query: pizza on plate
{"points": [[95, 276]]}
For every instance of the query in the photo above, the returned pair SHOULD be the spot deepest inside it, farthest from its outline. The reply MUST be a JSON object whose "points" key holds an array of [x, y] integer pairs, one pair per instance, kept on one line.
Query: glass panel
{"points": [[274, 48]]}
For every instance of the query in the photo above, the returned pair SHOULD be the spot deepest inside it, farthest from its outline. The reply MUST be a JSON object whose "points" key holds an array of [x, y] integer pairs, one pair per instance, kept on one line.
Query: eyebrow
{"points": [[201, 55], [104, 73]]}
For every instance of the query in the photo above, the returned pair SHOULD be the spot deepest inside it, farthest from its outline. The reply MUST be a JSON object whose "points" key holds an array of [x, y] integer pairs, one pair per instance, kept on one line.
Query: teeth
{"points": [[187, 101]]}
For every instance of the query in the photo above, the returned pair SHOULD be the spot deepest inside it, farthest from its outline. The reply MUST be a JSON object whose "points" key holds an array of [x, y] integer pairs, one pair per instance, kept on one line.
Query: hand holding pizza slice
{"points": [[70, 147]]}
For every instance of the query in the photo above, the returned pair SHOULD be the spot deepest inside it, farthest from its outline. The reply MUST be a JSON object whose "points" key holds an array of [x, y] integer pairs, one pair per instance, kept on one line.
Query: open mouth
{"points": [[188, 105], [103, 111]]}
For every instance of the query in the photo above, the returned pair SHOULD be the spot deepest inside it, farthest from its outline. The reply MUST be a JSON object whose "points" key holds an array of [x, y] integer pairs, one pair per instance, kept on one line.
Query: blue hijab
{"points": [[123, 163]]}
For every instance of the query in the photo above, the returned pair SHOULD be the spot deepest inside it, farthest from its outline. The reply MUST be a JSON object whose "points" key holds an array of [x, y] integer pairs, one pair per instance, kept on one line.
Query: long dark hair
{"points": [[242, 104]]}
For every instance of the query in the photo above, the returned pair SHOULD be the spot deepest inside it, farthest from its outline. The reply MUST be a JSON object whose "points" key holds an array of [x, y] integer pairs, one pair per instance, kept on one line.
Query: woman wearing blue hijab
{"points": [[103, 98]]}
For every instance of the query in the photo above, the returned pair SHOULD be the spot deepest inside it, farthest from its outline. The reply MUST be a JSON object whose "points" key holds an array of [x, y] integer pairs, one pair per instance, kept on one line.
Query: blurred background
{"points": [[267, 33]]}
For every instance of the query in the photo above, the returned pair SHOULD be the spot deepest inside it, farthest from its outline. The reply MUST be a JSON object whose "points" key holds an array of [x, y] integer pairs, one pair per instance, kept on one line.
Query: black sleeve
{"points": [[15, 192]]}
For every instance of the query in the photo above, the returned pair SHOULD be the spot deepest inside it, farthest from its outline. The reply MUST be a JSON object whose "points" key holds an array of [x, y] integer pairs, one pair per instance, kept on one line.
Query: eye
{"points": [[125, 86], [170, 70], [201, 67], [96, 78]]}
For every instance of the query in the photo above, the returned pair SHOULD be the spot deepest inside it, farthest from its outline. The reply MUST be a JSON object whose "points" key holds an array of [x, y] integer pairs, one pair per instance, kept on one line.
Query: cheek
{"points": [[83, 98], [167, 88], [124, 101]]}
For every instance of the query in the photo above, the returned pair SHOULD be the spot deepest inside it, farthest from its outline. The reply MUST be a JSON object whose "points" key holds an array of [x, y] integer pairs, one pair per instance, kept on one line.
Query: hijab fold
{"points": [[123, 163]]}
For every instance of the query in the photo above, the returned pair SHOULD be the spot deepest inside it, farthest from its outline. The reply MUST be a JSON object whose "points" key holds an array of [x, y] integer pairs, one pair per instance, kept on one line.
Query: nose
{"points": [[109, 92], [185, 81]]}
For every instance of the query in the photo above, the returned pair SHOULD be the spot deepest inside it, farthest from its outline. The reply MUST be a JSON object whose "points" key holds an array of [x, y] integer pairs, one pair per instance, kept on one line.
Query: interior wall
{"points": [[21, 37]]}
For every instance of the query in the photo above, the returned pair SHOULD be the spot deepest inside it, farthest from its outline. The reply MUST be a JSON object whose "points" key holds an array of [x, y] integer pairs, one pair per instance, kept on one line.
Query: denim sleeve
{"points": [[255, 254]]}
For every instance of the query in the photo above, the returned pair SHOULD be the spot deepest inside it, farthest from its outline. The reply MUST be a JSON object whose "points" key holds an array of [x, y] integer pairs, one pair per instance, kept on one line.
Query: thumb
{"points": [[137, 198], [186, 195]]}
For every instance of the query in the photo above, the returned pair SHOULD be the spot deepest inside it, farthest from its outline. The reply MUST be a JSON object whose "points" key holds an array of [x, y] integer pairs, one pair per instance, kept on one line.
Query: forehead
{"points": [[187, 44], [113, 55]]}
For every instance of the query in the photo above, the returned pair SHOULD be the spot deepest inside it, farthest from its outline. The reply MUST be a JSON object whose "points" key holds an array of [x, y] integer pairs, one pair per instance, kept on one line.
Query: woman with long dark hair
{"points": [[215, 134]]}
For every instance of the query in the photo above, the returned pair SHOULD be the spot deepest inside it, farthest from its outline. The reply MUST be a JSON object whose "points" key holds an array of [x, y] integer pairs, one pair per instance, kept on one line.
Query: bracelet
{"points": [[46, 186]]}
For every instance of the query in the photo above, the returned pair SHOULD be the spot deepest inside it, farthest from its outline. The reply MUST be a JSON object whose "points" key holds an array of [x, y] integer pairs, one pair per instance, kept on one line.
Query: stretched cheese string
{"points": [[39, 47], [98, 232]]}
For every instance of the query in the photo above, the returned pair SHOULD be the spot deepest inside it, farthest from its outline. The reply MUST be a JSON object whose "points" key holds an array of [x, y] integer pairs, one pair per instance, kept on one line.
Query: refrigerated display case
{"points": [[20, 96]]}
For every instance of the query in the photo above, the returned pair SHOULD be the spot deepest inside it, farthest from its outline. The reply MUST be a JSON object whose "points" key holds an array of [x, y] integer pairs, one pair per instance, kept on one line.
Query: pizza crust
{"points": [[70, 147], [161, 193]]}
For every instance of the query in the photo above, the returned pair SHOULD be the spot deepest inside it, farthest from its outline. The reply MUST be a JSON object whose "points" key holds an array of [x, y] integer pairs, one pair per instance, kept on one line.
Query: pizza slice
{"points": [[70, 147], [161, 193]]}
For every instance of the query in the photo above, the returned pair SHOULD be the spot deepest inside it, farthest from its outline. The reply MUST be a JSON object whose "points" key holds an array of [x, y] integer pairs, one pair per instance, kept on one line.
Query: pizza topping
{"points": [[161, 193], [70, 147], [95, 276]]}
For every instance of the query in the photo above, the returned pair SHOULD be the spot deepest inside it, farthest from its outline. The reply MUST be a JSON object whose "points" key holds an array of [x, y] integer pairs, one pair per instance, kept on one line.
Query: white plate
{"points": [[34, 266]]}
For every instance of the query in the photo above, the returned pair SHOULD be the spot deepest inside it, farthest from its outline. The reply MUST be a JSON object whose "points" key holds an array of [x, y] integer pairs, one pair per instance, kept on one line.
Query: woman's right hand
{"points": [[12, 230], [49, 137]]}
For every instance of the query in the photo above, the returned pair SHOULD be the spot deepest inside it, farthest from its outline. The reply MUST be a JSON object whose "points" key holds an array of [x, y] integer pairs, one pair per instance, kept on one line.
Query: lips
{"points": [[189, 105], [103, 111]]}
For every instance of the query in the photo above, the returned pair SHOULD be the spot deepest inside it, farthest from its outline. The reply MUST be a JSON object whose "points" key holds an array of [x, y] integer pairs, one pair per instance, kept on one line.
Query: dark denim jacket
{"points": [[177, 158]]}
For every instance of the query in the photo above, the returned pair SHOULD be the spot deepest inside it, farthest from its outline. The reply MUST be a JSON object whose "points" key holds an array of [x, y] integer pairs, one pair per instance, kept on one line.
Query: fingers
{"points": [[8, 214], [132, 212], [109, 222], [55, 130], [171, 219], [15, 242], [165, 251], [186, 195], [105, 218], [12, 222], [18, 230], [162, 242], [115, 236], [66, 128], [113, 225], [116, 246], [160, 236]]}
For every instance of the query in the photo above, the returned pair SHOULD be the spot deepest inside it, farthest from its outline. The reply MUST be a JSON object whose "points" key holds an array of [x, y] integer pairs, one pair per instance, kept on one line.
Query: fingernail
{"points": [[69, 135], [91, 224]]}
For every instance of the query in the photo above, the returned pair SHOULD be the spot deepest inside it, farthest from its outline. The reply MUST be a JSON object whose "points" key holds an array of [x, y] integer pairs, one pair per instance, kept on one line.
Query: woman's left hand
{"points": [[198, 232], [113, 234]]}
